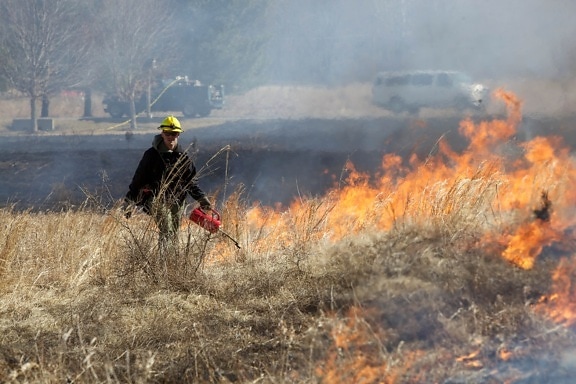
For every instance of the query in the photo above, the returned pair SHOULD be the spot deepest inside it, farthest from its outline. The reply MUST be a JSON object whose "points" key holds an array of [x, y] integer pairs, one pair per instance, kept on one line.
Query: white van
{"points": [[412, 90]]}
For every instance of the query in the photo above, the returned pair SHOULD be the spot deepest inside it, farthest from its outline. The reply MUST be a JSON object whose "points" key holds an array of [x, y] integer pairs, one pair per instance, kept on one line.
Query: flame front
{"points": [[447, 190]]}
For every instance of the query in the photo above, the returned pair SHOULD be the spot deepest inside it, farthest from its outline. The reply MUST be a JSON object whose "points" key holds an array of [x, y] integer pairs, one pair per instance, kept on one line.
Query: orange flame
{"points": [[471, 360], [527, 243], [355, 356], [491, 188], [561, 305]]}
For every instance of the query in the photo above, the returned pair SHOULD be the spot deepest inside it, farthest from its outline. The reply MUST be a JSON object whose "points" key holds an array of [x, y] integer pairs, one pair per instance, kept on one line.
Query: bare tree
{"points": [[132, 34], [45, 45]]}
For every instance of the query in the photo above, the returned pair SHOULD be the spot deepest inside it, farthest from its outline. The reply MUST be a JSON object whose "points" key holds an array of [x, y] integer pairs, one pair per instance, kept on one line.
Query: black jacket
{"points": [[170, 174]]}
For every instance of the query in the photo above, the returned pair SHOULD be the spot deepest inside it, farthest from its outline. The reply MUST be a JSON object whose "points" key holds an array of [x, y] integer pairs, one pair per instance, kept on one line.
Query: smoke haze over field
{"points": [[341, 40], [250, 43], [343, 43]]}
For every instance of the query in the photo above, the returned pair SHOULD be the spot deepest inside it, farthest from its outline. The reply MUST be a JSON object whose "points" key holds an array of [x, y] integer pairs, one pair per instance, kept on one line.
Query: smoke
{"points": [[338, 41], [335, 42]]}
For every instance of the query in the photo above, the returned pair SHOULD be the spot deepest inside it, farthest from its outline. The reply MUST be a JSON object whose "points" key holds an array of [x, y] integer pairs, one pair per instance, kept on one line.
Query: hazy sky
{"points": [[349, 39]]}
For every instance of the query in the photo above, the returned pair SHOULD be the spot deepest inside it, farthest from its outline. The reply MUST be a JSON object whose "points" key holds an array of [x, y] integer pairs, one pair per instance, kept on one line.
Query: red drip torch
{"points": [[210, 222]]}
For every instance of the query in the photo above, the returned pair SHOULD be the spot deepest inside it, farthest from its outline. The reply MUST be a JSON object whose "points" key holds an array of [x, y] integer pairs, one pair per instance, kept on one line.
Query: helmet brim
{"points": [[170, 129]]}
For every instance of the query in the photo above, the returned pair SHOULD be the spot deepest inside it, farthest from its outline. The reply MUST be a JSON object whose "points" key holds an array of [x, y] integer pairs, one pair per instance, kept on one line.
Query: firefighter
{"points": [[163, 178]]}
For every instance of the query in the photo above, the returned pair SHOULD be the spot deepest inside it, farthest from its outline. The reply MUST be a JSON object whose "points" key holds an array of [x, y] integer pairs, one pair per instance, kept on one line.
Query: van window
{"points": [[397, 80], [462, 78], [422, 79], [443, 80]]}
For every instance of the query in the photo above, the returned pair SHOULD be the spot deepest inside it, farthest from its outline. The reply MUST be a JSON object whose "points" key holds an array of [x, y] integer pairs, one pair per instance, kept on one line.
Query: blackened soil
{"points": [[273, 161]]}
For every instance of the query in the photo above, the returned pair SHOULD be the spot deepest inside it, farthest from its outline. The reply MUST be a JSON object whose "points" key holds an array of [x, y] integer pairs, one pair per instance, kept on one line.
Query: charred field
{"points": [[375, 250], [275, 161]]}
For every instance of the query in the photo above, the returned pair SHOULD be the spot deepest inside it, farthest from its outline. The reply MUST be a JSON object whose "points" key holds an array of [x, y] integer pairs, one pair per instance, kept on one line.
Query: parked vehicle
{"points": [[412, 90], [190, 97]]}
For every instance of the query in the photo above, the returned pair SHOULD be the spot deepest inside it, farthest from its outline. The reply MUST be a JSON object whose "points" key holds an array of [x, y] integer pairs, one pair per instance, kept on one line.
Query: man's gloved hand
{"points": [[205, 204], [127, 208]]}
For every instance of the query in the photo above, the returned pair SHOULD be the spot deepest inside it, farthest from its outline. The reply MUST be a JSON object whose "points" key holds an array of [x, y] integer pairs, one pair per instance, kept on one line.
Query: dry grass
{"points": [[86, 298]]}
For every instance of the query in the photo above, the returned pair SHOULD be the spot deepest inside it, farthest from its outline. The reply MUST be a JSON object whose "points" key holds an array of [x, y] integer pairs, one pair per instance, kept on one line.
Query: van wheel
{"points": [[189, 111], [480, 107], [203, 111], [461, 104], [396, 104], [116, 111]]}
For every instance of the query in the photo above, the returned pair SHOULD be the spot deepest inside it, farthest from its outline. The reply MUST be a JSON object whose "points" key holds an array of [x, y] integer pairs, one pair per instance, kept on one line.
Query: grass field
{"points": [[457, 269]]}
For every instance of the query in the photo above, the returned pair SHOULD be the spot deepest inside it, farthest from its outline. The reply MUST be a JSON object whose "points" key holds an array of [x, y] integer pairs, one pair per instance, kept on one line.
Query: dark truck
{"points": [[190, 97]]}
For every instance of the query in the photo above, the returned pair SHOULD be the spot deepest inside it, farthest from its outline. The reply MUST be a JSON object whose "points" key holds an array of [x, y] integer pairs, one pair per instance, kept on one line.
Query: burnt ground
{"points": [[274, 160]]}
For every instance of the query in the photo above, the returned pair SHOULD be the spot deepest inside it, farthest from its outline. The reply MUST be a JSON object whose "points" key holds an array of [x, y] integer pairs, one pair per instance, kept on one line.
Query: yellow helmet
{"points": [[170, 124]]}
